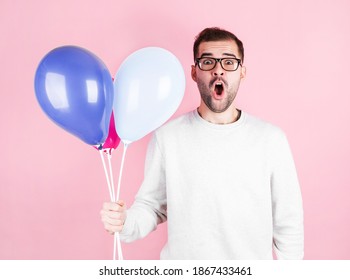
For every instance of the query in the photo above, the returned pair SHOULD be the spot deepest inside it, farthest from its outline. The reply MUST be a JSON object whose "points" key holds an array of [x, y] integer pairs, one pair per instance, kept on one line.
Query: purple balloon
{"points": [[75, 89]]}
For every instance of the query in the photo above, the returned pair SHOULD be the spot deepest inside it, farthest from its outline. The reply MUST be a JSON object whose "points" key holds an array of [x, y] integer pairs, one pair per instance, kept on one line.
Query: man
{"points": [[224, 180]]}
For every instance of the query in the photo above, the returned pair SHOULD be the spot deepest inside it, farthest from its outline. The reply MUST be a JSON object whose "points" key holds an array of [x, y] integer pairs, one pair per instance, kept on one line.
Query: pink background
{"points": [[52, 184]]}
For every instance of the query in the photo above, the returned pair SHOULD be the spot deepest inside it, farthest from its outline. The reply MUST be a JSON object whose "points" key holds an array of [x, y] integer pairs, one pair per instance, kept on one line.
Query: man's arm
{"points": [[288, 228], [149, 208]]}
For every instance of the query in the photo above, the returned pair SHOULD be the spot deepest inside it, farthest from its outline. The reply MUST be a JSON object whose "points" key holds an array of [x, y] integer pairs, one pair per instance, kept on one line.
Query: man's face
{"points": [[218, 87]]}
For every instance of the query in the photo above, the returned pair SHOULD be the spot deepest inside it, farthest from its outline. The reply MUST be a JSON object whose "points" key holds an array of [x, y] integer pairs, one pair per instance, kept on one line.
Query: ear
{"points": [[243, 72], [193, 73]]}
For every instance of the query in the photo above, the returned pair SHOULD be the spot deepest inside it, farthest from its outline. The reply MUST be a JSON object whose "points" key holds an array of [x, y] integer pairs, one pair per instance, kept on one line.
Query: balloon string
{"points": [[110, 183], [121, 169], [118, 245], [116, 234], [107, 177], [116, 239], [111, 176]]}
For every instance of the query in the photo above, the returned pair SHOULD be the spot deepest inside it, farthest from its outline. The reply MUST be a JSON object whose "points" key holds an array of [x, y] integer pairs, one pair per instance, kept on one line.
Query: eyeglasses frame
{"points": [[218, 60]]}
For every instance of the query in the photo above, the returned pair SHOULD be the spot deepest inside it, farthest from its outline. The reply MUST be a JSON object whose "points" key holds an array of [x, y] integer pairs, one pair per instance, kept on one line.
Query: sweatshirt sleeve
{"points": [[149, 208], [288, 229]]}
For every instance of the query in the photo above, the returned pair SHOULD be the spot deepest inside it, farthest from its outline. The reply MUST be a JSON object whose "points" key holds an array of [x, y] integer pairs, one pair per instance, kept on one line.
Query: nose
{"points": [[218, 70]]}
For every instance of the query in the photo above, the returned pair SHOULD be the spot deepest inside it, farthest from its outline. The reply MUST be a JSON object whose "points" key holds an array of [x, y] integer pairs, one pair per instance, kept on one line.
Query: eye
{"points": [[207, 61], [229, 61]]}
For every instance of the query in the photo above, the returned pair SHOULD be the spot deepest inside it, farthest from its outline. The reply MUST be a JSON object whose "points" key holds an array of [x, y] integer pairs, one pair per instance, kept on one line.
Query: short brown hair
{"points": [[216, 34]]}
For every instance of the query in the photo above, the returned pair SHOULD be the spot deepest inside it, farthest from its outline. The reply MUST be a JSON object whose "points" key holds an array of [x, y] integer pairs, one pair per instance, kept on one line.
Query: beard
{"points": [[215, 105]]}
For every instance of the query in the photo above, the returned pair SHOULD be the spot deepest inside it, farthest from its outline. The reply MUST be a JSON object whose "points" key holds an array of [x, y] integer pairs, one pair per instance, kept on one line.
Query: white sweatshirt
{"points": [[227, 191]]}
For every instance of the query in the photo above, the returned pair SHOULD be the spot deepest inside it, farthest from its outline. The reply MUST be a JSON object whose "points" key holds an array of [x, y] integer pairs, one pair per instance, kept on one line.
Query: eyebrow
{"points": [[227, 54], [230, 54]]}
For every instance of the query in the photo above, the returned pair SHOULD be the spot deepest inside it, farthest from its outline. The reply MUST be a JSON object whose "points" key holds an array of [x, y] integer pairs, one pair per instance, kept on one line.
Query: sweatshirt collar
{"points": [[219, 126]]}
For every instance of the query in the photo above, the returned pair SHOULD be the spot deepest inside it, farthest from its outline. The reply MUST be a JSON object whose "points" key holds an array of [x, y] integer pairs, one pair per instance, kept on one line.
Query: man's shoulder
{"points": [[179, 122], [263, 126]]}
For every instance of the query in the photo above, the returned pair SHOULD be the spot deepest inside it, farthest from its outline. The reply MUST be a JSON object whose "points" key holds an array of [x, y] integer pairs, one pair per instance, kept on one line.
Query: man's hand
{"points": [[113, 215]]}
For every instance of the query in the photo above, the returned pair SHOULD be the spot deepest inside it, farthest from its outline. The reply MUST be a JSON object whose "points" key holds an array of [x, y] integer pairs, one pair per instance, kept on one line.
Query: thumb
{"points": [[121, 203]]}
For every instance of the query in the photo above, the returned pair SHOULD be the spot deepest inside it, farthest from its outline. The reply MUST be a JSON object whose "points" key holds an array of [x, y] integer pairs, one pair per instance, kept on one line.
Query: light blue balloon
{"points": [[148, 88]]}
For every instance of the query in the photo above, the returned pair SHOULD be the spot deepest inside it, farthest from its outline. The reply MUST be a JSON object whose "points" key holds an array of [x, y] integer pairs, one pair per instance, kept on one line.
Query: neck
{"points": [[229, 116]]}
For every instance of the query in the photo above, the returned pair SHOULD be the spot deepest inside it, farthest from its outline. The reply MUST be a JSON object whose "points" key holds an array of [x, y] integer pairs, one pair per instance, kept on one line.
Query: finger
{"points": [[120, 202], [112, 206], [113, 232], [112, 215], [107, 206], [112, 229], [113, 222]]}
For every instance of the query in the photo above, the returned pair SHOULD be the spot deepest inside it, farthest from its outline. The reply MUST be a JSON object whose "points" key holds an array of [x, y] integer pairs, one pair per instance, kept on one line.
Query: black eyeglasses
{"points": [[209, 63]]}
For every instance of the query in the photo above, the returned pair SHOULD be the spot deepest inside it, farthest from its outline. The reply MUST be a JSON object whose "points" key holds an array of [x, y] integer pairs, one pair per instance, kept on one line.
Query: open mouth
{"points": [[219, 88]]}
